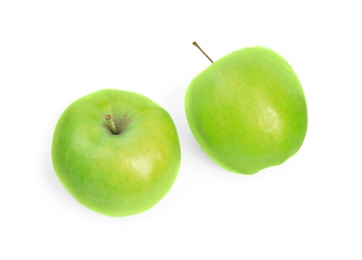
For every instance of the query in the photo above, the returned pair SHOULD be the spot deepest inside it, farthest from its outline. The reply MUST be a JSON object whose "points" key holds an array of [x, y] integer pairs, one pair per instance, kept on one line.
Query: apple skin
{"points": [[116, 175], [247, 110]]}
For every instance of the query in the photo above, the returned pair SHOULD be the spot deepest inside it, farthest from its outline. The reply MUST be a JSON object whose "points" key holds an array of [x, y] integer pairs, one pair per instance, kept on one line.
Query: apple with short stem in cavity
{"points": [[116, 152], [247, 110]]}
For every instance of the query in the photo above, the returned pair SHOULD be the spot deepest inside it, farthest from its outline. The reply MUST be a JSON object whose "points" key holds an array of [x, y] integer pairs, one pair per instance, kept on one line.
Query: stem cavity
{"points": [[112, 125], [195, 43]]}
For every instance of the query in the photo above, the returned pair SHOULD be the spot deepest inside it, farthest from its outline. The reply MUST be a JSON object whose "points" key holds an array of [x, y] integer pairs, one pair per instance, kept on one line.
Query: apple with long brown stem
{"points": [[247, 110]]}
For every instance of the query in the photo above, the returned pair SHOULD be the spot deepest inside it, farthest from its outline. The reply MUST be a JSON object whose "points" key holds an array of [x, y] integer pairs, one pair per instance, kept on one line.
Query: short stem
{"points": [[111, 124], [195, 43]]}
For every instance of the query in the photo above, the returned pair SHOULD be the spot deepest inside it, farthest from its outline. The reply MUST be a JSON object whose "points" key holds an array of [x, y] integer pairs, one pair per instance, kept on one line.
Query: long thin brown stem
{"points": [[195, 43]]}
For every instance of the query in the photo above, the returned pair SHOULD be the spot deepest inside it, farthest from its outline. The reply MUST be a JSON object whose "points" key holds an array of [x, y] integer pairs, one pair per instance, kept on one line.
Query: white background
{"points": [[54, 52]]}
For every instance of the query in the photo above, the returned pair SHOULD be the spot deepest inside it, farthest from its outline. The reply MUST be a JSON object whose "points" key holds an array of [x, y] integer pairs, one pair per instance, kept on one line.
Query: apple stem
{"points": [[111, 124], [195, 43]]}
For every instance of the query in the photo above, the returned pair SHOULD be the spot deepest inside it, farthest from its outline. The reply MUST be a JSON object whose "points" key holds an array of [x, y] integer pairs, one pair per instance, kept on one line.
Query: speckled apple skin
{"points": [[116, 175], [248, 110]]}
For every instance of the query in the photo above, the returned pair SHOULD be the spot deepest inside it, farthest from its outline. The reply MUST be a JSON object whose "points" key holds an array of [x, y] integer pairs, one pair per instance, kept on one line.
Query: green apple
{"points": [[247, 110], [116, 152]]}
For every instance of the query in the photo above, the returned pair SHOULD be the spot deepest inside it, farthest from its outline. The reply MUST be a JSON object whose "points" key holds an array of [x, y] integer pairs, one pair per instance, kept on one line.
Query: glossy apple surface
{"points": [[116, 173], [247, 110]]}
